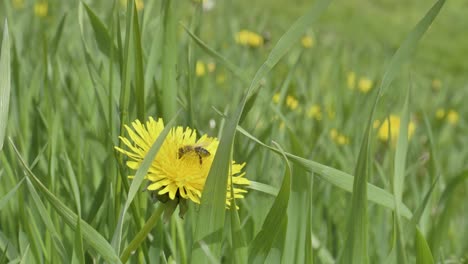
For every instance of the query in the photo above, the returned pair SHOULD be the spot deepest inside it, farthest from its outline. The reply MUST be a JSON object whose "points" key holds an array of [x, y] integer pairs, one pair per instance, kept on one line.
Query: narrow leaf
{"points": [[93, 237], [5, 82], [138, 179], [263, 241], [423, 252]]}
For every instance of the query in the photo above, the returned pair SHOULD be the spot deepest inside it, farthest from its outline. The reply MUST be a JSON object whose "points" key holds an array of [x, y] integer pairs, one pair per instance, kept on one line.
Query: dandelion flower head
{"points": [[391, 126], [178, 170], [249, 38]]}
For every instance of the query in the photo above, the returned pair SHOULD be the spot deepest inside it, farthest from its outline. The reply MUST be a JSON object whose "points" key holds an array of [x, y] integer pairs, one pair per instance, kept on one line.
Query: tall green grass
{"points": [[70, 81]]}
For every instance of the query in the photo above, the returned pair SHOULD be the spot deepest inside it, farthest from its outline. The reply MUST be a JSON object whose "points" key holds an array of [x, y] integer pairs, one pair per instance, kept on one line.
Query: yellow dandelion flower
{"points": [[249, 38], [440, 113], [41, 8], [18, 4], [307, 42], [291, 102], [391, 126], [276, 98], [211, 66], [436, 84], [453, 117], [200, 69], [315, 112], [182, 164], [365, 84], [351, 80]]}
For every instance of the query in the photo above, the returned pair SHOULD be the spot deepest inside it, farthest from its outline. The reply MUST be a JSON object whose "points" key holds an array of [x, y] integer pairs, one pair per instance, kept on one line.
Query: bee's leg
{"points": [[200, 157]]}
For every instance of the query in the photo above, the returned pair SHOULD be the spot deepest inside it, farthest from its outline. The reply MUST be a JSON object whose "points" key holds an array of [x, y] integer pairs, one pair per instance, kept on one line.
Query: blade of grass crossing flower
{"points": [[168, 87], [5, 82], [4, 200], [101, 33], [423, 252], [211, 216], [263, 241], [94, 238], [399, 177], [210, 222], [139, 74], [338, 178], [78, 252], [137, 180]]}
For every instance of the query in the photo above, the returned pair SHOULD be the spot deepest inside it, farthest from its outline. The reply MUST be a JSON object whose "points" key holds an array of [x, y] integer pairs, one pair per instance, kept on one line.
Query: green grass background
{"points": [[73, 88]]}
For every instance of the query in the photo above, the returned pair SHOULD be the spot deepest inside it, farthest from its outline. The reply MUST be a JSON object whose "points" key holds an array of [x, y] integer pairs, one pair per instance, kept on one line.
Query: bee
{"points": [[199, 150]]}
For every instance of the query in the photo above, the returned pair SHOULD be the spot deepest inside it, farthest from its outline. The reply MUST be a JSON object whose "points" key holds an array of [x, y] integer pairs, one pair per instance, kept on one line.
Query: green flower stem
{"points": [[140, 237]]}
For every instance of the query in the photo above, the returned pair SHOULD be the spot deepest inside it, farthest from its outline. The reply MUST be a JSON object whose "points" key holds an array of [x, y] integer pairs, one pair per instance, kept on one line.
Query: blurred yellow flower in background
{"points": [[220, 78], [18, 4], [307, 42], [41, 8], [315, 112], [391, 126], [436, 84], [453, 117], [351, 80], [211, 66], [440, 113], [291, 102], [249, 38], [338, 138], [365, 84], [276, 98], [138, 3], [200, 69]]}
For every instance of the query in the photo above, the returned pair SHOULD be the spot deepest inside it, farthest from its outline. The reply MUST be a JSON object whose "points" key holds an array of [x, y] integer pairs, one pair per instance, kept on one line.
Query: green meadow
{"points": [[339, 127]]}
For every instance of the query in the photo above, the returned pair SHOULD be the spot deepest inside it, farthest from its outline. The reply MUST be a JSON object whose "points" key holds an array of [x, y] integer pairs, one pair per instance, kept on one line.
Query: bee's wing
{"points": [[202, 144]]}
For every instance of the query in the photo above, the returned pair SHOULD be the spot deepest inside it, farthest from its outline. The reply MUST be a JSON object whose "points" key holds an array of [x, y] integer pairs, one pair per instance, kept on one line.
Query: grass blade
{"points": [[94, 238], [138, 179], [263, 241], [5, 82], [210, 220], [423, 252], [10, 194], [78, 253], [101, 33], [169, 60], [338, 178], [398, 179]]}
